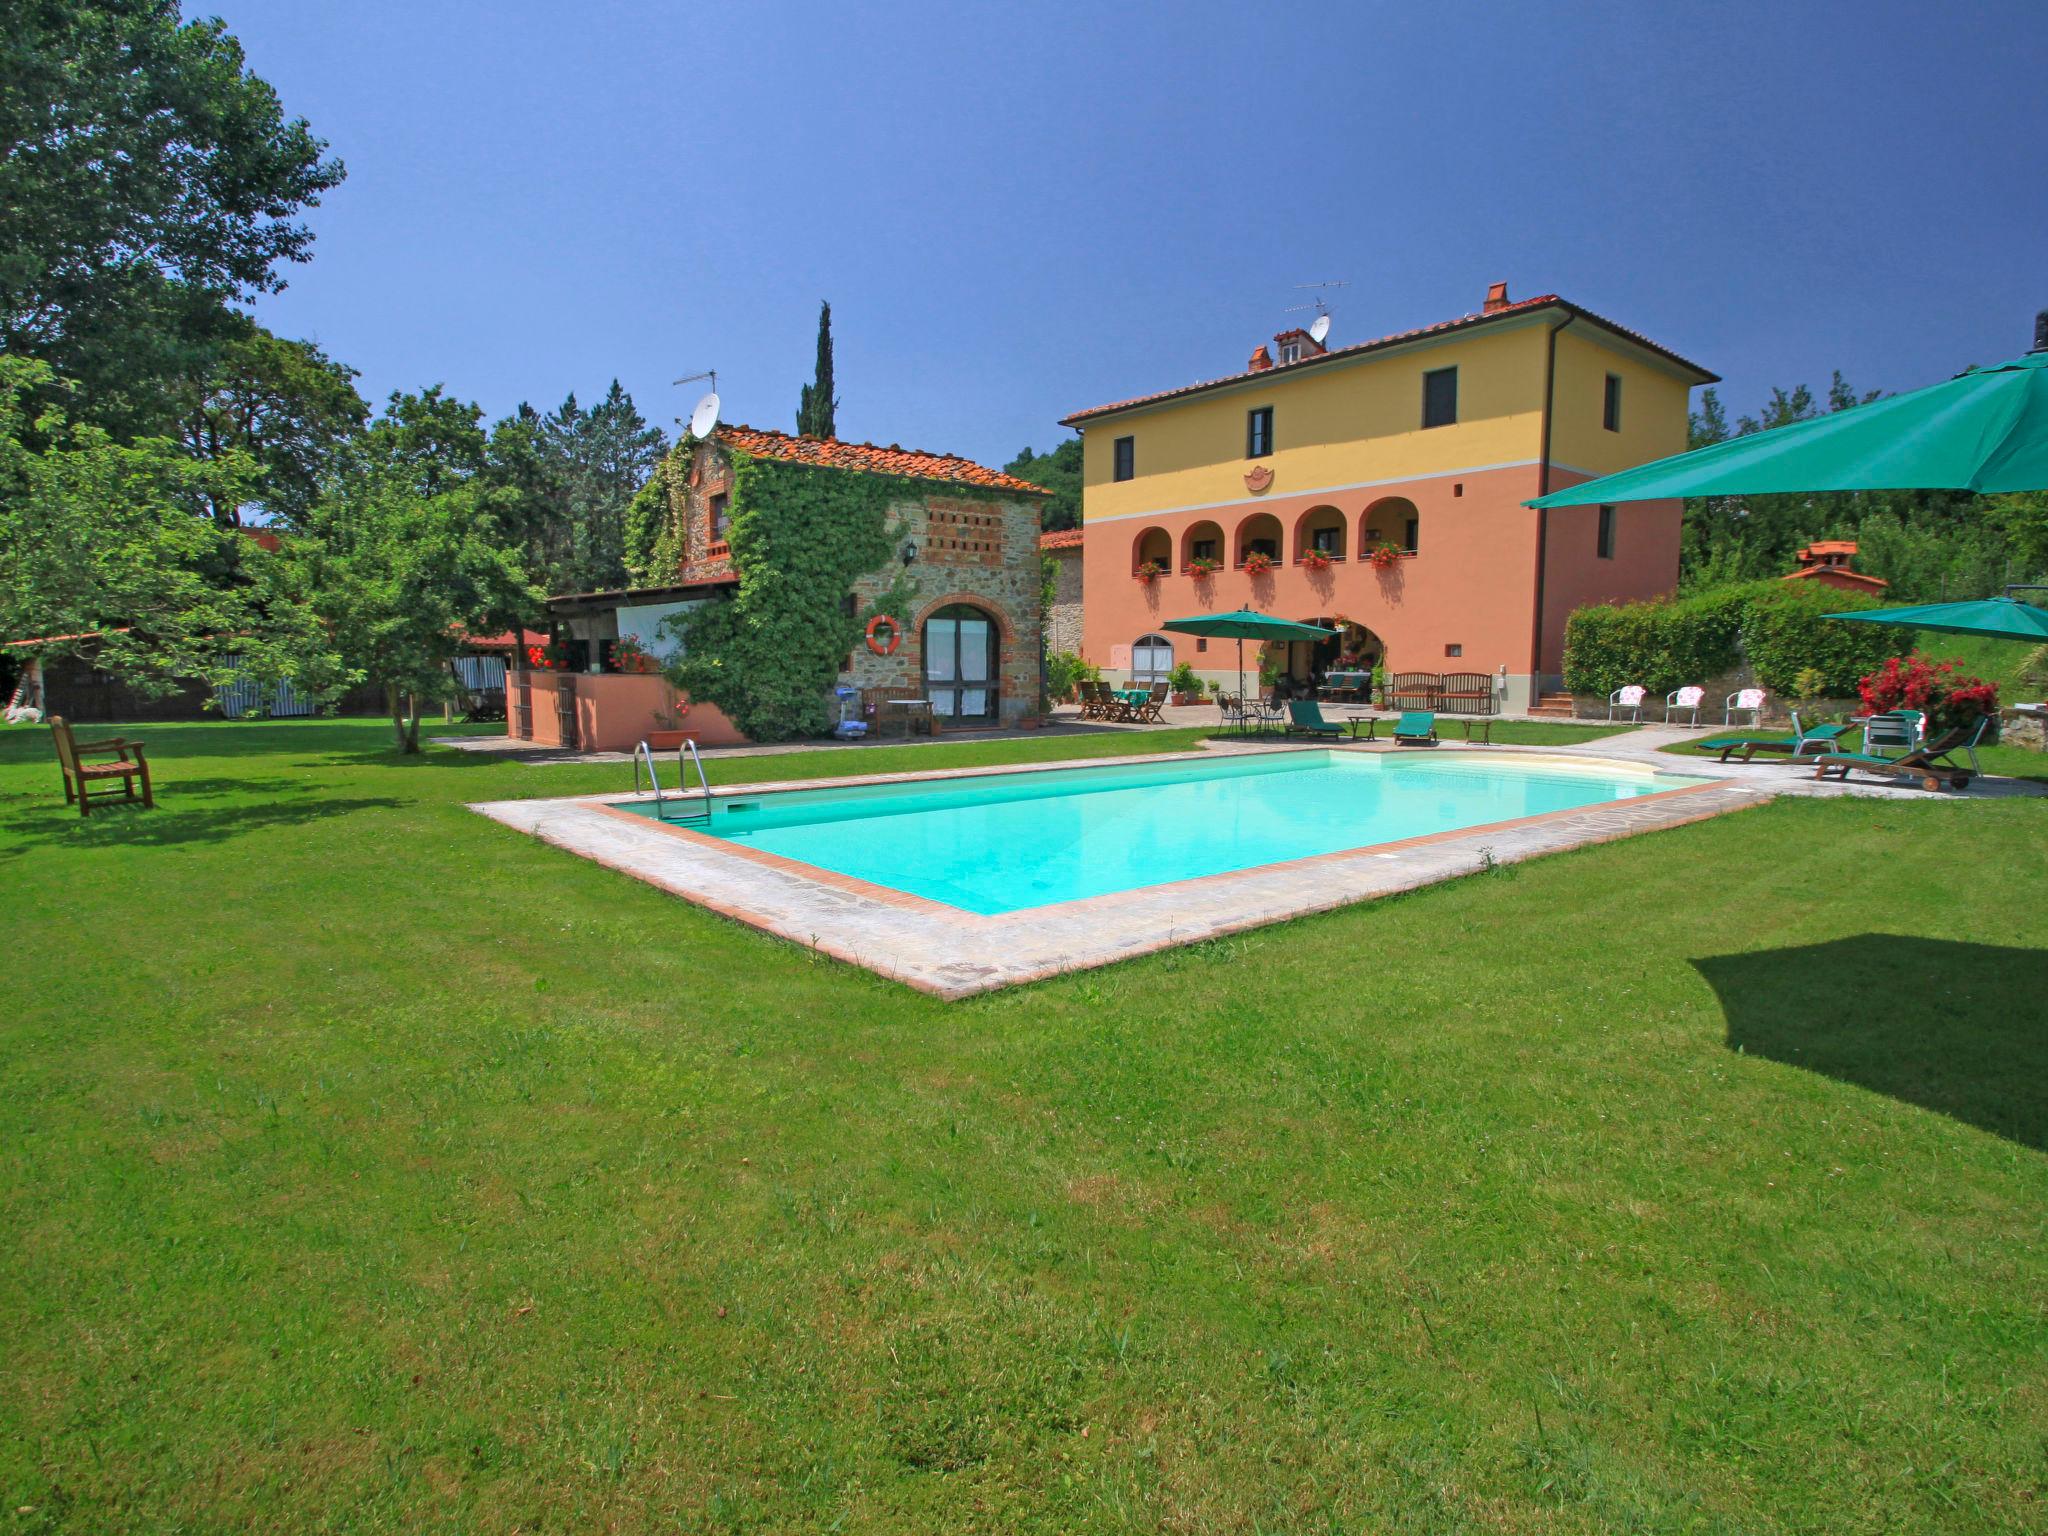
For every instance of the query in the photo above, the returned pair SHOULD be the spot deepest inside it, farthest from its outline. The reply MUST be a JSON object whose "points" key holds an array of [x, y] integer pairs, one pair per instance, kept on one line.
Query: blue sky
{"points": [[1019, 211]]}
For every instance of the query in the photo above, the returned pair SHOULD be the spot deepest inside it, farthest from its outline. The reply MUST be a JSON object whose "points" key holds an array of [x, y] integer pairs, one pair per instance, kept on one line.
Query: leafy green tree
{"points": [[112, 546], [1059, 472], [574, 474], [149, 179], [285, 404], [818, 407], [408, 547], [615, 457]]}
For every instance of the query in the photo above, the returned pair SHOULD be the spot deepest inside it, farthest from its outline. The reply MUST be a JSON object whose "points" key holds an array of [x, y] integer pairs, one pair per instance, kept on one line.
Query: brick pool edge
{"points": [[953, 954]]}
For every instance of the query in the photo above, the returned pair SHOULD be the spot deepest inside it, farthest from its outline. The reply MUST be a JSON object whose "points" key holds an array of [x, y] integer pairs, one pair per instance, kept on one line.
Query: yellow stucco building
{"points": [[1382, 485]]}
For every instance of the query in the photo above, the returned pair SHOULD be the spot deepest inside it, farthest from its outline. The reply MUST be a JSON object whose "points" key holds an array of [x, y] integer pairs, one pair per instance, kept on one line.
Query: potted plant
{"points": [[1257, 563], [1202, 567], [668, 733], [1384, 557], [627, 656], [1185, 686], [1149, 571], [1316, 560]]}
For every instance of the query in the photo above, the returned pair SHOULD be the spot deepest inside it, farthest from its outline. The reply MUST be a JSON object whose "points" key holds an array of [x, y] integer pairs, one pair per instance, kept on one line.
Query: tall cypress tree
{"points": [[815, 410]]}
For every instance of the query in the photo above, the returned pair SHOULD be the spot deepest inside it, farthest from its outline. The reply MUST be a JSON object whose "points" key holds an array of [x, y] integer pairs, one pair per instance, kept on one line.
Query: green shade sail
{"points": [[2002, 618], [1242, 624], [1985, 430], [1247, 624]]}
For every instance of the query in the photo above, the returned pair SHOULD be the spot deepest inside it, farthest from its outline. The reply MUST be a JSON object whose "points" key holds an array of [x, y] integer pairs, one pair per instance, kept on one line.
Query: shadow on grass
{"points": [[120, 824], [1958, 1028]]}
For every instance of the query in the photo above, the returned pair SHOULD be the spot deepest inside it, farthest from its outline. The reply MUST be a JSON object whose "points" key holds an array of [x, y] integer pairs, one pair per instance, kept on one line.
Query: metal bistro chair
{"points": [[1629, 698], [1744, 701], [1896, 730], [1687, 699]]}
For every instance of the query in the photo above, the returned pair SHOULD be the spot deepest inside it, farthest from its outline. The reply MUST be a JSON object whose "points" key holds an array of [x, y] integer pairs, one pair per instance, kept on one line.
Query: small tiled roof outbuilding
{"points": [[910, 463], [1060, 538]]}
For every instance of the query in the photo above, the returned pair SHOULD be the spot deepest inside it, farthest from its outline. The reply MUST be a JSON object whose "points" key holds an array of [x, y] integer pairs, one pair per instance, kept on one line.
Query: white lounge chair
{"points": [[1687, 699], [1629, 698], [1749, 701]]}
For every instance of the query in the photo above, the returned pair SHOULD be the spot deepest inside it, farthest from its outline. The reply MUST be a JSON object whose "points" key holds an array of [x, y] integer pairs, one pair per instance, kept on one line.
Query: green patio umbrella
{"points": [[1984, 430], [1244, 624], [2002, 618]]}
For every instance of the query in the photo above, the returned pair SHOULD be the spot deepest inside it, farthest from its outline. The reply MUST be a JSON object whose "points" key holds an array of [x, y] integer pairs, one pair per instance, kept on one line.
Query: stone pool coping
{"points": [[952, 953]]}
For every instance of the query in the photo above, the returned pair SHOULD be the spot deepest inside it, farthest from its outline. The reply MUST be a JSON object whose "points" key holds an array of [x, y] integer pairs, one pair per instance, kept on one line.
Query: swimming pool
{"points": [[1007, 842]]}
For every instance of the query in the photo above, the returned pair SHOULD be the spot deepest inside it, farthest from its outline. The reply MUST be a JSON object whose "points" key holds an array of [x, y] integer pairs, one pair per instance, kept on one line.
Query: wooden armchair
{"points": [[79, 774]]}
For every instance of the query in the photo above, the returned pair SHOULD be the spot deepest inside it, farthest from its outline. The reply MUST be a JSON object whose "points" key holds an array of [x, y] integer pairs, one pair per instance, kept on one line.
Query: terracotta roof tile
{"points": [[1520, 307], [830, 453], [1060, 538]]}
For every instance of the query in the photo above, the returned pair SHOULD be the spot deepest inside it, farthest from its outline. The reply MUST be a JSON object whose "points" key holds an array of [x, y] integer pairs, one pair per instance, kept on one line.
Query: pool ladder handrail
{"points": [[702, 809]]}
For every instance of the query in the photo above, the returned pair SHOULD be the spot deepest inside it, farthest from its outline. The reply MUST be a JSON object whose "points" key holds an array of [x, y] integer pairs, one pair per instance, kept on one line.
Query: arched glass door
{"points": [[960, 665], [1151, 661]]}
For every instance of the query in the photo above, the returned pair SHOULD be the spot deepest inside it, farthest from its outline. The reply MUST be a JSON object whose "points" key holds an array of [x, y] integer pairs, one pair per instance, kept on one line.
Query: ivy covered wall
{"points": [[818, 553]]}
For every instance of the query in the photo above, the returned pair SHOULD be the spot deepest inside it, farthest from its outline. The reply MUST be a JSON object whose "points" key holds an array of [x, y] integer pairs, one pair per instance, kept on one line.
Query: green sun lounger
{"points": [[1306, 717], [1416, 728], [1820, 738], [1926, 763]]}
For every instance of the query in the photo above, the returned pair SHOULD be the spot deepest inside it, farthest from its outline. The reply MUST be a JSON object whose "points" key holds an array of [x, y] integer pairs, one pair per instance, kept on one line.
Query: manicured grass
{"points": [[367, 1166]]}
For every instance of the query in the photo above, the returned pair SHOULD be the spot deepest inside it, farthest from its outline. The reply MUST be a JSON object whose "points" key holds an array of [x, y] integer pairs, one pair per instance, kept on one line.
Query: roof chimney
{"points": [[1297, 346], [1496, 298], [1261, 360]]}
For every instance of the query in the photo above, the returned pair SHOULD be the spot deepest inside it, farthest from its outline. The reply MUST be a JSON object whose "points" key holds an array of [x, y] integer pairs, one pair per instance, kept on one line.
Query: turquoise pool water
{"points": [[1005, 842]]}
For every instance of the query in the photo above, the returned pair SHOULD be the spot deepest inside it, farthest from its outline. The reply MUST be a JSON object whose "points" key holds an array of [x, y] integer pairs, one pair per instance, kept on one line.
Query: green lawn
{"points": [[367, 1166]]}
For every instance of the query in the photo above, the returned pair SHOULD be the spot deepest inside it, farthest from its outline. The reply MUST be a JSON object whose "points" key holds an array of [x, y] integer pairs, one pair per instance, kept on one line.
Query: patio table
{"points": [[912, 709]]}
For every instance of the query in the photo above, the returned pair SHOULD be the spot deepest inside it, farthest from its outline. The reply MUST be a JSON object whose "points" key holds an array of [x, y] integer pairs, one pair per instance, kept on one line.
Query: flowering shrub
{"points": [[627, 656], [547, 658], [1150, 570], [1949, 699], [1258, 562], [1384, 556]]}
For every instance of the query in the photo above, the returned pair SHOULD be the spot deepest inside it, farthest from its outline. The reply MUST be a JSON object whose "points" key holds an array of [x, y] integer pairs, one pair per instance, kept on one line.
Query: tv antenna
{"points": [[705, 416], [1320, 326]]}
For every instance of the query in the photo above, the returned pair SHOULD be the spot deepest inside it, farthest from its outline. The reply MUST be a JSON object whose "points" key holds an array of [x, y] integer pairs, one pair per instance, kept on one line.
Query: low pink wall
{"points": [[613, 711]]}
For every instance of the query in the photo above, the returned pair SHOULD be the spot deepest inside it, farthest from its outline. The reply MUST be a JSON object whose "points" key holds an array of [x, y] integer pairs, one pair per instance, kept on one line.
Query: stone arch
{"points": [[1390, 520], [1207, 531], [974, 692], [1320, 528], [1154, 544], [1261, 531]]}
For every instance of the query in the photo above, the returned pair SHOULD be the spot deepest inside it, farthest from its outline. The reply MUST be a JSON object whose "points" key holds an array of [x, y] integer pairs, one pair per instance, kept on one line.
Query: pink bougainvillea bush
{"points": [[1950, 699]]}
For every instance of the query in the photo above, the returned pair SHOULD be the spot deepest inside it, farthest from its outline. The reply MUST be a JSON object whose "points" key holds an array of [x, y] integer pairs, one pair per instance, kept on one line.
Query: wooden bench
{"points": [[79, 775]]}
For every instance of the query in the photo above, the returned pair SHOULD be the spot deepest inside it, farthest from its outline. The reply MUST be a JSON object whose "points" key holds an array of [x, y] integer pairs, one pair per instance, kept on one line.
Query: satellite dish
{"points": [[705, 417], [1319, 328]]}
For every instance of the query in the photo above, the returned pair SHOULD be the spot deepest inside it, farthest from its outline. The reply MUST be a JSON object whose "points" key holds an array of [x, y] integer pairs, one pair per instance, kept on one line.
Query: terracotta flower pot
{"points": [[666, 741]]}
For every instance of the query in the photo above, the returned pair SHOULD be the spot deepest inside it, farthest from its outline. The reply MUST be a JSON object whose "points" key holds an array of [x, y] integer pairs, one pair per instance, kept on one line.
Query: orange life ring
{"points": [[888, 647]]}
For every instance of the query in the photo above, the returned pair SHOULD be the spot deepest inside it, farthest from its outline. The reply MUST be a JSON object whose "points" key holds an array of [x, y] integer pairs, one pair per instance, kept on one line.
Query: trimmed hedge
{"points": [[1776, 626]]}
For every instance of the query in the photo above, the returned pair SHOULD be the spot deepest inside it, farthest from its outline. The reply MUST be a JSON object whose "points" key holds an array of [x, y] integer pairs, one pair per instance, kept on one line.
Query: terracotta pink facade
{"points": [[1470, 582], [1421, 449]]}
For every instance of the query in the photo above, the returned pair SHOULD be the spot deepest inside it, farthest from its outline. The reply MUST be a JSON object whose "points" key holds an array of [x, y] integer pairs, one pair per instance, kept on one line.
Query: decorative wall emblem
{"points": [[1258, 479]]}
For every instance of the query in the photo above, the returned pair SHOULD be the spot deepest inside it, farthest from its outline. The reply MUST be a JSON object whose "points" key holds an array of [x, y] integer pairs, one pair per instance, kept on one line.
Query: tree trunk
{"points": [[406, 741]]}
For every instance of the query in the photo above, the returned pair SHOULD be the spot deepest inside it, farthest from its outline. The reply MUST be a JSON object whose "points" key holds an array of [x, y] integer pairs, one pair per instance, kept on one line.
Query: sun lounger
{"points": [[1416, 728], [1923, 763], [1804, 739], [1305, 716]]}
